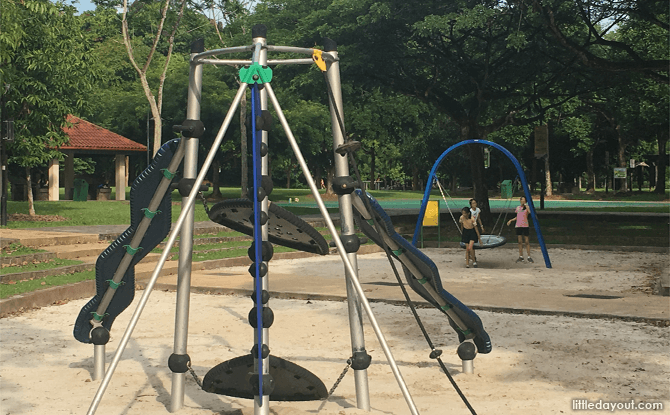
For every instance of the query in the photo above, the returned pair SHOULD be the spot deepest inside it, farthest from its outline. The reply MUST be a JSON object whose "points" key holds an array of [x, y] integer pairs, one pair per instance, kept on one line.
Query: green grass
{"points": [[39, 266], [16, 249], [20, 287]]}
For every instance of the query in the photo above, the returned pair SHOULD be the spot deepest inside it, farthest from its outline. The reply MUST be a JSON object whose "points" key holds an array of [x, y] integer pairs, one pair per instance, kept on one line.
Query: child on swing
{"points": [[469, 234]]}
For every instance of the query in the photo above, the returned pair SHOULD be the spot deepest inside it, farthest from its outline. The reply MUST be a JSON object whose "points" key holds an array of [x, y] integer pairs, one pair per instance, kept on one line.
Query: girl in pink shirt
{"points": [[521, 220]]}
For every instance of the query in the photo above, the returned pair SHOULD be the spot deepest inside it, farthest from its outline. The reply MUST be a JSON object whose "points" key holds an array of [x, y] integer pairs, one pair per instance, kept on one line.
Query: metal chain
{"points": [[337, 382], [204, 202], [195, 376]]}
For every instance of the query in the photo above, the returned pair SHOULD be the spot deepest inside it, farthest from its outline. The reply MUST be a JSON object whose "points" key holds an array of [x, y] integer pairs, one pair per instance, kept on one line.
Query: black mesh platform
{"points": [[488, 241], [284, 228], [291, 381]]}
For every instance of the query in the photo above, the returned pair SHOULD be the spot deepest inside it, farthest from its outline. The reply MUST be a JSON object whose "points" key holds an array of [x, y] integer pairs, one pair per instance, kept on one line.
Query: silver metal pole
{"points": [[351, 272], [186, 242], [98, 361], [347, 228], [170, 242], [214, 52], [264, 409], [231, 62]]}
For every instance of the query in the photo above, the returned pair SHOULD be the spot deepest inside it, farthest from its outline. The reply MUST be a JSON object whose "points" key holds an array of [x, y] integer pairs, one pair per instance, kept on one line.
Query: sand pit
{"points": [[538, 365]]}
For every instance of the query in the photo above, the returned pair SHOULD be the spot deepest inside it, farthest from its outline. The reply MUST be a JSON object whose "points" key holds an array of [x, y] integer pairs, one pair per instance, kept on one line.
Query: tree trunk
{"points": [[329, 180], [216, 192], [288, 176], [29, 192], [621, 152], [243, 147], [415, 177], [481, 193], [547, 177], [373, 178], [590, 172], [662, 163]]}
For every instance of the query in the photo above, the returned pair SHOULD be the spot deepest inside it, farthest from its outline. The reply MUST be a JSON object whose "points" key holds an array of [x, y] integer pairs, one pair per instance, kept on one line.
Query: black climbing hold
{"points": [[343, 185], [266, 251], [179, 363], [264, 218], [265, 296], [351, 243], [265, 351], [284, 228], [467, 351], [264, 121], [360, 360], [264, 149], [198, 45], [99, 336], [329, 45], [435, 354], [263, 268], [291, 381], [267, 315]]}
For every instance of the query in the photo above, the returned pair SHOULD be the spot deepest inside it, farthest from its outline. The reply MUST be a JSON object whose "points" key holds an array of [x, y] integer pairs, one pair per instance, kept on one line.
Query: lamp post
{"points": [[8, 137]]}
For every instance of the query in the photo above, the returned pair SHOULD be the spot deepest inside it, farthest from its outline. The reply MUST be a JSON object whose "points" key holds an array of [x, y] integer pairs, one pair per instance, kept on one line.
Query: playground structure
{"points": [[259, 375]]}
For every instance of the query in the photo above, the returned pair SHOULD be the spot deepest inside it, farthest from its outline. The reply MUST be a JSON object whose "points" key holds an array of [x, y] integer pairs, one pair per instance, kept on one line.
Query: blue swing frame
{"points": [[524, 185]]}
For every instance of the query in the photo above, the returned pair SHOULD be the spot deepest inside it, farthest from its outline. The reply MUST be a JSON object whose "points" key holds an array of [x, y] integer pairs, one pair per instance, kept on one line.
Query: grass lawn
{"points": [[16, 249], [20, 287], [39, 266]]}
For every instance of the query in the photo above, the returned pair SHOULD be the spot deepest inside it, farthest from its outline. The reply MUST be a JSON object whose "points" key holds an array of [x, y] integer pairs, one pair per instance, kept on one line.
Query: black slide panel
{"points": [[428, 271], [141, 193]]}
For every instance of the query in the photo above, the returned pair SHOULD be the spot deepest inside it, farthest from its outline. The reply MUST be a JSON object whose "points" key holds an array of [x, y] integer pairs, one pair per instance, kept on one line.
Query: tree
{"points": [[46, 72]]}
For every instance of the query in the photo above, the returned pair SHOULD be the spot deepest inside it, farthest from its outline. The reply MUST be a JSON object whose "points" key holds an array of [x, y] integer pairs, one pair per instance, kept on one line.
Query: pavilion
{"points": [[88, 138]]}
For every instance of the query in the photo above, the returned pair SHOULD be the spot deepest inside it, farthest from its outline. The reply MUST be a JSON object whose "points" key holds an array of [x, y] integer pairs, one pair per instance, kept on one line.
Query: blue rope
{"points": [[258, 242]]}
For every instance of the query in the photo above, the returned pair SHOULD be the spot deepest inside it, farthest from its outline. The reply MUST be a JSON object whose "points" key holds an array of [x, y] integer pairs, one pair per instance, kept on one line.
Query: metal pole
{"points": [[161, 260], [347, 228], [186, 239], [351, 272], [262, 403], [98, 361]]}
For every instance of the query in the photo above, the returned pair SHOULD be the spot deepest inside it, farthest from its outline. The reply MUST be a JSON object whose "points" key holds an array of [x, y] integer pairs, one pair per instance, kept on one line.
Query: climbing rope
{"points": [[434, 352]]}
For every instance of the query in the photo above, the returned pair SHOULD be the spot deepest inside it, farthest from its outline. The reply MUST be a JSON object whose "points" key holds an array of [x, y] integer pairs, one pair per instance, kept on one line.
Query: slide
{"points": [[420, 272], [141, 194]]}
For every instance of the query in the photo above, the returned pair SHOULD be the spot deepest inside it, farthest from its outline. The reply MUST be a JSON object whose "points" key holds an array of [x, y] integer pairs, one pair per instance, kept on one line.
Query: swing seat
{"points": [[291, 382], [488, 241], [284, 228]]}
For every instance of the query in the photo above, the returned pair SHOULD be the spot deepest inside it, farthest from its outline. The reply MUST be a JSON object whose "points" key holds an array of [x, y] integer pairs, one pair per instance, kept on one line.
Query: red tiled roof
{"points": [[87, 136]]}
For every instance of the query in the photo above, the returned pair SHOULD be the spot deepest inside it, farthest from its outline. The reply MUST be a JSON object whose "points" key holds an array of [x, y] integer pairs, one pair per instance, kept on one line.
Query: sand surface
{"points": [[538, 365]]}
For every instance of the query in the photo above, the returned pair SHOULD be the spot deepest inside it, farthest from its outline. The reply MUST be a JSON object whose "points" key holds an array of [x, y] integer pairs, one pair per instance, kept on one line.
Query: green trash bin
{"points": [[506, 189], [80, 193]]}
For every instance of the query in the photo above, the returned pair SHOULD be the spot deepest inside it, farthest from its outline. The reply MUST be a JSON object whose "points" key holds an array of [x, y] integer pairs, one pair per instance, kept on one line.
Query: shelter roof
{"points": [[86, 136]]}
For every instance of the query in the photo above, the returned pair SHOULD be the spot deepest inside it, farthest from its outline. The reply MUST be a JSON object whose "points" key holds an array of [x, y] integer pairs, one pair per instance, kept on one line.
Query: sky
{"points": [[83, 5]]}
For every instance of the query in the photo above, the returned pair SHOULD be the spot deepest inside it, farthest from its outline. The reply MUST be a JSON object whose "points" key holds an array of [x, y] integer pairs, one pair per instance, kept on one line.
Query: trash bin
{"points": [[506, 189], [80, 190]]}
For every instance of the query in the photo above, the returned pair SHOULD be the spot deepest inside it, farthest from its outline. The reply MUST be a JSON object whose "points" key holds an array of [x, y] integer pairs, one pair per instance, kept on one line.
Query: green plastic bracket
{"points": [[131, 250], [168, 174], [115, 285], [149, 214], [399, 252], [446, 307], [255, 74], [465, 332], [98, 317], [422, 281]]}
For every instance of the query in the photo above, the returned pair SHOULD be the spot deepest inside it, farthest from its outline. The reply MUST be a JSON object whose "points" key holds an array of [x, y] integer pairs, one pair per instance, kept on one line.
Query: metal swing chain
{"points": [[339, 379], [204, 202], [195, 376]]}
